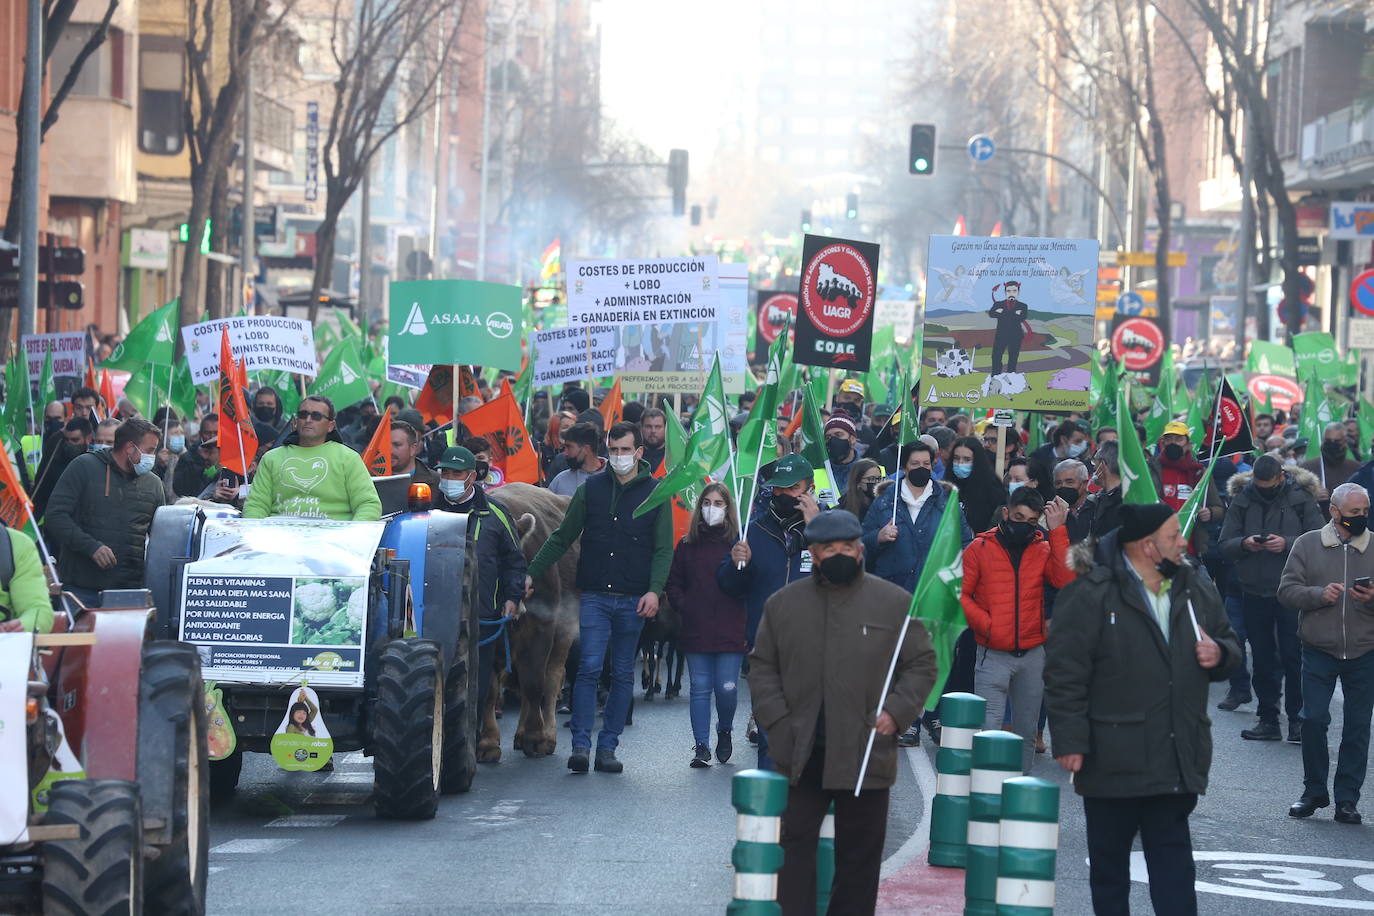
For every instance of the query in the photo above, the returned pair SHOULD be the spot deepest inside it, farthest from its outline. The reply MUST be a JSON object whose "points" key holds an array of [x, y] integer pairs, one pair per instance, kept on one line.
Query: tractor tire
{"points": [[224, 776], [460, 700], [408, 730], [172, 732], [100, 873]]}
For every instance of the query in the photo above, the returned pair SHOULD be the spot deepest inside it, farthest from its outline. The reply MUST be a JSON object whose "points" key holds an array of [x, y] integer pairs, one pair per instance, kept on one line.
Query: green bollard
{"points": [[825, 862], [760, 797], [961, 714], [1029, 840], [996, 757]]}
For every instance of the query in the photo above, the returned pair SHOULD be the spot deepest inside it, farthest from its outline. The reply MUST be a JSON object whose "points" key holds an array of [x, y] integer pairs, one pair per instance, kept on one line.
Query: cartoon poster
{"points": [[1009, 322], [302, 741]]}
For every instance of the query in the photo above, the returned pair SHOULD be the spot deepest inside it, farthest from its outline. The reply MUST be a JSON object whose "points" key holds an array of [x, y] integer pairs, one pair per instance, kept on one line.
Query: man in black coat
{"points": [[1137, 640], [1010, 315]]}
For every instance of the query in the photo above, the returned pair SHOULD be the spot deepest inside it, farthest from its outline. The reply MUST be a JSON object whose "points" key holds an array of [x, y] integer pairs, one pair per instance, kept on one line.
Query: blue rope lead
{"points": [[502, 630]]}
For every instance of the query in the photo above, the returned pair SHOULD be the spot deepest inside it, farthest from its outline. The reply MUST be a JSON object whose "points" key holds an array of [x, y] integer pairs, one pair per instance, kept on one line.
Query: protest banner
{"points": [[836, 303], [455, 322], [640, 292], [1009, 322], [573, 354], [264, 342], [775, 311], [68, 353], [1138, 346]]}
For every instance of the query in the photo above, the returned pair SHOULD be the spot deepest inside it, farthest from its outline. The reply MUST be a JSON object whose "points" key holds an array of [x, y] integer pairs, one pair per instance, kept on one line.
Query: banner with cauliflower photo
{"points": [[279, 600]]}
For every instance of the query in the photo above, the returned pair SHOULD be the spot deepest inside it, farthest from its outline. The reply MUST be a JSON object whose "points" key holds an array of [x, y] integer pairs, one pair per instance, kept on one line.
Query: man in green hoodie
{"points": [[313, 474]]}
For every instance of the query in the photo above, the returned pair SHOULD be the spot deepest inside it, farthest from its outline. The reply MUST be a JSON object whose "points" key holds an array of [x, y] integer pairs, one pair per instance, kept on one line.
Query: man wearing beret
{"points": [[816, 674], [1137, 639]]}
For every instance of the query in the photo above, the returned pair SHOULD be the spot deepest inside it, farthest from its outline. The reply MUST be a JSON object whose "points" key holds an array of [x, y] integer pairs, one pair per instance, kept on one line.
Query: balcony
{"points": [[274, 131], [1337, 150], [91, 150]]}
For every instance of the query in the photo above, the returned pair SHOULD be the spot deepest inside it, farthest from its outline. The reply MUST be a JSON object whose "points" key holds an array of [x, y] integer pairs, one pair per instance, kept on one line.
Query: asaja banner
{"points": [[455, 322], [836, 303]]}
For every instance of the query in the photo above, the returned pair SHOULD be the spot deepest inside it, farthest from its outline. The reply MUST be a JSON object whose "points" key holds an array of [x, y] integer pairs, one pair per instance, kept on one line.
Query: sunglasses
{"points": [[312, 415]]}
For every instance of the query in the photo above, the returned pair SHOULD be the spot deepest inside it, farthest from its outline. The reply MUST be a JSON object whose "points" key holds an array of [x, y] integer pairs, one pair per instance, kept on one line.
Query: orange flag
{"points": [[377, 455], [435, 402], [505, 389], [238, 443], [93, 383], [500, 422], [612, 406], [107, 392], [682, 513], [14, 501], [467, 385], [795, 423]]}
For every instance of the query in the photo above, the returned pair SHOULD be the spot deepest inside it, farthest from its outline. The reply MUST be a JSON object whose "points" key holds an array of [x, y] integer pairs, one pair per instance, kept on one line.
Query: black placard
{"points": [[836, 303]]}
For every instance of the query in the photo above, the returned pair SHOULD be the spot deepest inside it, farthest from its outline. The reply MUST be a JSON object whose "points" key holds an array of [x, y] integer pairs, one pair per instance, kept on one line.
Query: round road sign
{"points": [[981, 148], [1280, 390], [1130, 304], [774, 312], [1137, 344], [1362, 292]]}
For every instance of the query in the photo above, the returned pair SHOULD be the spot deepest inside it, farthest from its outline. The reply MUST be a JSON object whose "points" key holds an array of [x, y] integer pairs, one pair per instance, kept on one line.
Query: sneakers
{"points": [[1294, 731], [724, 747], [910, 738], [1263, 731], [751, 732], [1346, 813], [933, 729], [578, 761], [700, 760], [1234, 700], [606, 762]]}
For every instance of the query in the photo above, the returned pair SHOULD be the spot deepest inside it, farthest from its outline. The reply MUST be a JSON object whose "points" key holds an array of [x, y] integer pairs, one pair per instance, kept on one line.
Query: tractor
{"points": [[113, 814], [379, 619]]}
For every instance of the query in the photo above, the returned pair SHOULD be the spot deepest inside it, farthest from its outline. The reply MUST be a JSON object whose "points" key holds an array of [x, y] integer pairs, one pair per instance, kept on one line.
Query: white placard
{"points": [[68, 354], [16, 651], [1360, 334], [900, 314], [149, 248], [262, 341], [640, 291], [561, 354]]}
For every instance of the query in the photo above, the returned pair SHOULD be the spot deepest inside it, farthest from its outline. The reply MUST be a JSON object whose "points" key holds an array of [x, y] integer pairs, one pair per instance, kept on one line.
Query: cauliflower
{"points": [[315, 603], [357, 608]]}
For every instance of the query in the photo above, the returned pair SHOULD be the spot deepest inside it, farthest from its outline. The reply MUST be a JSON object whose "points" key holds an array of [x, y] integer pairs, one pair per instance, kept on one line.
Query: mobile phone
{"points": [[1264, 537], [1363, 582]]}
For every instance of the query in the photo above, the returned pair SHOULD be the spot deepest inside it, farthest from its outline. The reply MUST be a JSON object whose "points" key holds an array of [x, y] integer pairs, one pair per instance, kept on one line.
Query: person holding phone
{"points": [[1329, 580]]}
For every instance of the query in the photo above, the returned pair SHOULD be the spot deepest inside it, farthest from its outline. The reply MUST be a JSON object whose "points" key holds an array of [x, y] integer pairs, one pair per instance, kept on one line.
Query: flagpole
{"points": [[42, 545], [882, 698]]}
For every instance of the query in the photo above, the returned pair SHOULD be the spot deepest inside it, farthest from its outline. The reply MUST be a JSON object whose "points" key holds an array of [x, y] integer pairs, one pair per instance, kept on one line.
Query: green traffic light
{"points": [[922, 164]]}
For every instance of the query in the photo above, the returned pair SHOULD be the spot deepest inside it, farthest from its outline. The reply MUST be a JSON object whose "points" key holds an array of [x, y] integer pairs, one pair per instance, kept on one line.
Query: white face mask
{"points": [[144, 464], [713, 515], [622, 464], [453, 490]]}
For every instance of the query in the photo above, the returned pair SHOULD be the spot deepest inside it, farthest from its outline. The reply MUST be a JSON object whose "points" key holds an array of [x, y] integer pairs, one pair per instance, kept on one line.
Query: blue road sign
{"points": [[1362, 292], [1130, 304], [981, 148]]}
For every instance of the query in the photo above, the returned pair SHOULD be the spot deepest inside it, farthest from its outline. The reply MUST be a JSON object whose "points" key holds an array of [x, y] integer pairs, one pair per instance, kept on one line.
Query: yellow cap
{"points": [[852, 386], [1176, 428]]}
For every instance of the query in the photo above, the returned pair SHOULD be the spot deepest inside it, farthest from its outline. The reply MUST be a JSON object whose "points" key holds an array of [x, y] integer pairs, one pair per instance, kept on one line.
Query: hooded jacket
{"points": [[501, 563], [1133, 704], [1344, 629], [1292, 511], [1004, 603], [778, 555]]}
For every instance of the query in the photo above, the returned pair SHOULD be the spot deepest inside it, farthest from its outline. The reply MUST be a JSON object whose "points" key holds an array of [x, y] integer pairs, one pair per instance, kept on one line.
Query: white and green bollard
{"points": [[1029, 836], [825, 862], [961, 715], [996, 758], [759, 797]]}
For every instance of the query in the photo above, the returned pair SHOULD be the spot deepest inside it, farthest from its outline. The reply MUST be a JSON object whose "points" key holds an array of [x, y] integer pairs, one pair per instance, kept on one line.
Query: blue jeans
{"points": [[1235, 615], [1273, 633], [1319, 674], [718, 673], [606, 621]]}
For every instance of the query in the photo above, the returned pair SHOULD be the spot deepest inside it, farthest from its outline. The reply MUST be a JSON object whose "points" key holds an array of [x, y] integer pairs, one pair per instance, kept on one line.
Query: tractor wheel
{"points": [[101, 871], [460, 701], [408, 730], [224, 776], [172, 748]]}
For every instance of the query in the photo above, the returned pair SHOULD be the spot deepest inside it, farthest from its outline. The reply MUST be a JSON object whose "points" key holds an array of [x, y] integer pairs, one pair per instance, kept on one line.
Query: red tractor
{"points": [[129, 832]]}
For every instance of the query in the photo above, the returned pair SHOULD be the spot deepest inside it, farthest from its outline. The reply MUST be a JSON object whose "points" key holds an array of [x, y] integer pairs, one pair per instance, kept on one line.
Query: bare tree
{"points": [[391, 55]]}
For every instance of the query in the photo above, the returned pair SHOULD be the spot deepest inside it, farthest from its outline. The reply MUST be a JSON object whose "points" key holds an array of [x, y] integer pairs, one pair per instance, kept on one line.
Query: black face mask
{"points": [[1016, 533], [918, 477], [1355, 525], [52, 425], [1167, 568], [1268, 493], [1332, 450], [853, 410], [1068, 494], [838, 449], [1173, 451], [785, 504], [265, 414], [870, 489], [841, 569], [483, 468]]}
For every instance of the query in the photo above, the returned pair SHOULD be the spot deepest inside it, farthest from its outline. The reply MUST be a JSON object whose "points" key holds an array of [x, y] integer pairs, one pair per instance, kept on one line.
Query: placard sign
{"points": [[68, 353], [260, 609], [836, 303], [652, 291], [16, 652], [572, 354], [262, 341]]}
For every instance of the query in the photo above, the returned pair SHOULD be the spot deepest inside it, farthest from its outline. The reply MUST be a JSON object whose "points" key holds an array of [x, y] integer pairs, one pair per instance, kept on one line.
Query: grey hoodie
{"points": [[1344, 629]]}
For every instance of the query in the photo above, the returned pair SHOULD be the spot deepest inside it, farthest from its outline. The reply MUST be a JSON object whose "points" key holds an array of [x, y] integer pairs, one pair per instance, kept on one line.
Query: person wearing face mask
{"points": [[169, 454], [1006, 570], [501, 566], [712, 635], [74, 439], [970, 469], [100, 511], [1068, 440], [580, 442], [841, 436], [267, 409], [104, 435], [1138, 639], [1333, 466], [1071, 488], [825, 645], [1270, 508], [864, 478], [1178, 473]]}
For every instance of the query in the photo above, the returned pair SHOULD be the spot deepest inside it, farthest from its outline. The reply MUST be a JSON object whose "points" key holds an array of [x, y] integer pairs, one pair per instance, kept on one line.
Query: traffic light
{"points": [[922, 158], [806, 221], [677, 179], [696, 214], [851, 206], [184, 235]]}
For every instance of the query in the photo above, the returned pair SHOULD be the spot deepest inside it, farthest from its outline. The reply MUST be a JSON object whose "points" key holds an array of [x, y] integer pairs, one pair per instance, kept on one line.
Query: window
{"points": [[160, 73], [102, 73]]}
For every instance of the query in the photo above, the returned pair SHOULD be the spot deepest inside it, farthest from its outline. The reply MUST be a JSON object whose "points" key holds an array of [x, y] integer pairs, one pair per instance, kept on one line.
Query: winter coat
{"points": [[191, 475], [1292, 511], [778, 555], [823, 646], [1344, 629], [1004, 602], [95, 503], [501, 563], [901, 561], [1175, 481], [1105, 506], [1133, 704], [712, 620], [1330, 475]]}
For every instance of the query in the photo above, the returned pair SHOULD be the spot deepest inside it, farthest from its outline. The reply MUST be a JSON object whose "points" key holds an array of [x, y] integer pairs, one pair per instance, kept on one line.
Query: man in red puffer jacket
{"points": [[1005, 573]]}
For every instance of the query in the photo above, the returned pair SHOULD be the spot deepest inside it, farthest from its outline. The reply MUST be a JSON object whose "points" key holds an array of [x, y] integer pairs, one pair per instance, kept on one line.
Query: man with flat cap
{"points": [[1137, 639], [816, 673]]}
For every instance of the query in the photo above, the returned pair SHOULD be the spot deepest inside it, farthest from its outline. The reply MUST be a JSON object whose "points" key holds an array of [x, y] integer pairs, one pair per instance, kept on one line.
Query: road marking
{"points": [[215, 868], [917, 843], [338, 798], [252, 846], [307, 820], [1277, 873], [504, 812], [338, 778]]}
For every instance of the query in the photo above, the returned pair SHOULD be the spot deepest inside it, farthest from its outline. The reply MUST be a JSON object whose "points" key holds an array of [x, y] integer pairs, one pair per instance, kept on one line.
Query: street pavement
{"points": [[533, 838]]}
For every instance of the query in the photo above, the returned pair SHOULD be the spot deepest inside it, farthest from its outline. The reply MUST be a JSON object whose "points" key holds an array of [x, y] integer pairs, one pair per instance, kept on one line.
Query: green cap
{"points": [[457, 458], [791, 469]]}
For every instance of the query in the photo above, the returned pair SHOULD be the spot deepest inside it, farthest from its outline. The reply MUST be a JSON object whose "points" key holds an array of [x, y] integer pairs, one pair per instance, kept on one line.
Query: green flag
{"points": [[1365, 419], [152, 340], [47, 388], [1137, 486], [1104, 414], [148, 389], [708, 448], [1158, 417], [758, 439], [18, 400], [342, 378], [1315, 354], [1196, 500], [935, 603], [1200, 407], [812, 431], [1317, 411], [1270, 359], [347, 326]]}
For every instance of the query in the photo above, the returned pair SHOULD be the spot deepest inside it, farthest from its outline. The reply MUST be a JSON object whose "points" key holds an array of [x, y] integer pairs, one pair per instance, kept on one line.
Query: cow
{"points": [[954, 362], [542, 635]]}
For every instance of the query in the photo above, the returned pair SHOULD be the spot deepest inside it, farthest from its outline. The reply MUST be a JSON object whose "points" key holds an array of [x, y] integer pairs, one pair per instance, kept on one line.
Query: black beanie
{"points": [[1141, 521]]}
